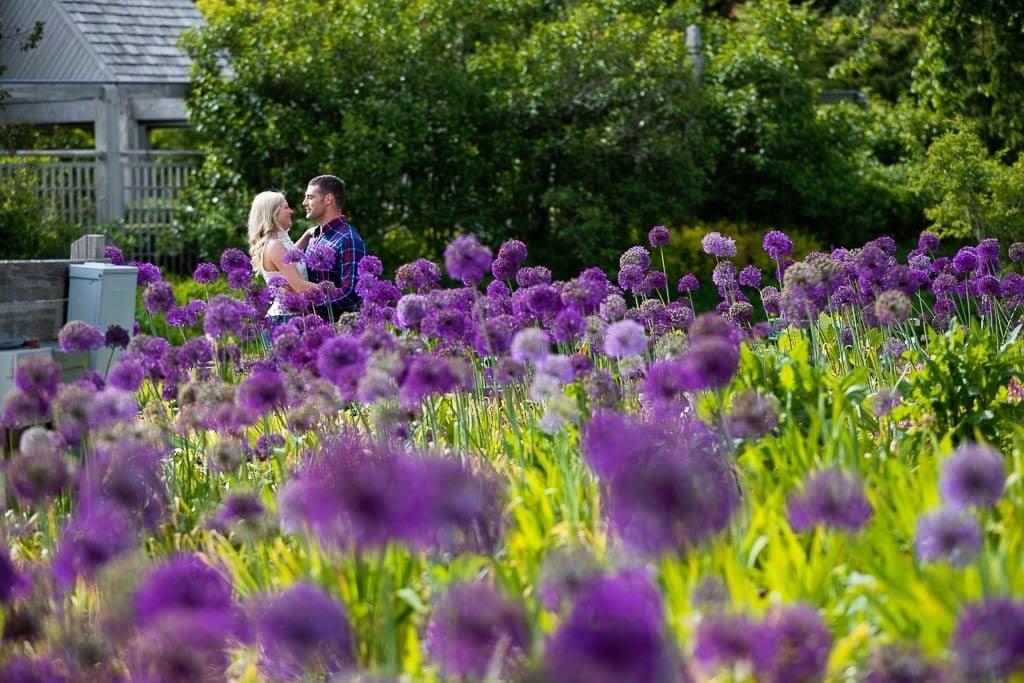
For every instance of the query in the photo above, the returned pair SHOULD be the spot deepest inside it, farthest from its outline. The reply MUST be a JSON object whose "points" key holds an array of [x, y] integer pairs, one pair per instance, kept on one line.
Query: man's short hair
{"points": [[332, 185]]}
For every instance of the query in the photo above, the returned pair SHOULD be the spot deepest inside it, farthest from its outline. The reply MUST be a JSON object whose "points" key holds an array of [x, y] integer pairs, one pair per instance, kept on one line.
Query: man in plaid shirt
{"points": [[324, 201]]}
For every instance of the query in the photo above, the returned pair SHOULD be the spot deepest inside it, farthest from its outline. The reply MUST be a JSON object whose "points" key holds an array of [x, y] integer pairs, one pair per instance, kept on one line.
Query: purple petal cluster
{"points": [[719, 246], [973, 476], [831, 498], [78, 335], [466, 260], [989, 640], [950, 535], [472, 628]]}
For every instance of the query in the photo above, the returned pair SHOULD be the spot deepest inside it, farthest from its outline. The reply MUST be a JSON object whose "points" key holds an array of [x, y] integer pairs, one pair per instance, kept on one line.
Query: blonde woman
{"points": [[270, 219]]}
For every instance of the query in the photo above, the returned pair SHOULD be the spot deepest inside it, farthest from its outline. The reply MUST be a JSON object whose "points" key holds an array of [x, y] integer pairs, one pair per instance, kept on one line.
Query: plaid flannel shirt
{"points": [[350, 249]]}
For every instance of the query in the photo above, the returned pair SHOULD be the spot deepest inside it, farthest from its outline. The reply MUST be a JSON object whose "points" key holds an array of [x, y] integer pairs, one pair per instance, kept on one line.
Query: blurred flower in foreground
{"points": [[303, 631], [950, 535], [800, 644], [475, 631], [831, 498], [974, 475], [989, 640], [614, 633], [897, 663], [732, 640]]}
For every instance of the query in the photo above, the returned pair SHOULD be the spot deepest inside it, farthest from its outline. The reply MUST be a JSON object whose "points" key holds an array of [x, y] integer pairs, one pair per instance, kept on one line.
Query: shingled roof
{"points": [[100, 40]]}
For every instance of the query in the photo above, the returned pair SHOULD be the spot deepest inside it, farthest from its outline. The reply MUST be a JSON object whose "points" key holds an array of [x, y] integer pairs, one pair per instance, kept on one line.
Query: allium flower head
{"points": [[636, 256], [928, 242], [989, 640], [183, 582], [235, 260], [966, 261], [530, 345], [114, 254], [321, 256], [303, 631], [800, 642], [950, 535], [91, 539], [717, 245], [725, 639], [831, 498], [472, 627], [688, 283], [226, 315], [750, 276], [1016, 252], [659, 236], [206, 273], [709, 363], [777, 244], [116, 337], [631, 278], [513, 251], [614, 633], [37, 374], [263, 391], [466, 260], [564, 573], [78, 335], [974, 475], [37, 477], [753, 414], [148, 273], [421, 275], [370, 266], [12, 582], [892, 307], [624, 338]]}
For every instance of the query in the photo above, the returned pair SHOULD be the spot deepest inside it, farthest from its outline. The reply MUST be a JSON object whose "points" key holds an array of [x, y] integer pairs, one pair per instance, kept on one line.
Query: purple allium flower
{"points": [[831, 498], [370, 266], [724, 275], [36, 478], [950, 535], [752, 414], [116, 337], [724, 639], [421, 275], [21, 669], [800, 643], [466, 260], [128, 373], [125, 474], [614, 633], [612, 440], [928, 242], [428, 375], [22, 409], [148, 273], [183, 582], [206, 273], [78, 335], [631, 278], [624, 338], [612, 308], [1016, 252], [183, 645], [892, 307], [303, 631], [974, 475], [341, 360], [263, 391], [966, 261], [989, 640], [70, 414], [568, 326], [38, 374], [239, 508], [636, 256], [530, 345], [654, 281], [234, 260], [513, 251], [410, 311], [321, 256], [709, 363], [471, 626], [158, 297], [777, 244], [688, 283], [226, 315], [719, 246], [750, 276], [902, 663], [91, 539], [113, 254], [543, 301], [883, 401], [659, 236]]}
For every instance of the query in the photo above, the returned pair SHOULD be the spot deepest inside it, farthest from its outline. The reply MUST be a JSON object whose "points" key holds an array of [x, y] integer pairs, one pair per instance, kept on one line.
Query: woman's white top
{"points": [[284, 239]]}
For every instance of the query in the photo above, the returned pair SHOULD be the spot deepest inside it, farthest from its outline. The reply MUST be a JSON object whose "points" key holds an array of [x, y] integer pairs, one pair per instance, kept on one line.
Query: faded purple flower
{"points": [[831, 498], [263, 391], [928, 242], [752, 414], [635, 256], [800, 643], [974, 475], [950, 535], [466, 260], [530, 344], [91, 539], [303, 631], [719, 246], [725, 639], [892, 307], [78, 335], [989, 640], [37, 374], [624, 338], [113, 254], [420, 275], [688, 283], [614, 633], [474, 627]]}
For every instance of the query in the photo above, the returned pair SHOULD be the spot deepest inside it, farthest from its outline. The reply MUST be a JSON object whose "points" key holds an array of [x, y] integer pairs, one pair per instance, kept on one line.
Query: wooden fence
{"points": [[71, 186]]}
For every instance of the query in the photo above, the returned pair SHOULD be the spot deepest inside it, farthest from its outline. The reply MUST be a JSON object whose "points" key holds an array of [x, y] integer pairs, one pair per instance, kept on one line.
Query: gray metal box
{"points": [[102, 294]]}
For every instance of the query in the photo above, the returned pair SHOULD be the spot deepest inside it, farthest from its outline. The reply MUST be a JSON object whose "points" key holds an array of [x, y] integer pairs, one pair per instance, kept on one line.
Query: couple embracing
{"points": [[332, 251]]}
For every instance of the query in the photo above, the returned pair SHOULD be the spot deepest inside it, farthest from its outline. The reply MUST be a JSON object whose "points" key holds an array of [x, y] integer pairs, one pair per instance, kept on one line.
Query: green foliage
{"points": [[970, 192], [31, 227]]}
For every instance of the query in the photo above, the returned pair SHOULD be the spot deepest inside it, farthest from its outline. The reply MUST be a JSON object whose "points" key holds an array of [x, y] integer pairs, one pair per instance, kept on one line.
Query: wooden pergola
{"points": [[114, 65]]}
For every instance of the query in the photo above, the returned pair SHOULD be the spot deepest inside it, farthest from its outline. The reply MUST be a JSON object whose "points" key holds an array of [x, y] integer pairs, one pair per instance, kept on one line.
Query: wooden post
{"points": [[88, 248]]}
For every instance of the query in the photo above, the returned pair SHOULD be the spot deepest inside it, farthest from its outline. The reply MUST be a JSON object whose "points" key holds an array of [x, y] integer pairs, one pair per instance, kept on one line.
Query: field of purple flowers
{"points": [[490, 475]]}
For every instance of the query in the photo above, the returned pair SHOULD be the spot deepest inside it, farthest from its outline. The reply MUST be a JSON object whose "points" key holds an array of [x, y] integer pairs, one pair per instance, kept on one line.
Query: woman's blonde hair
{"points": [[263, 225]]}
